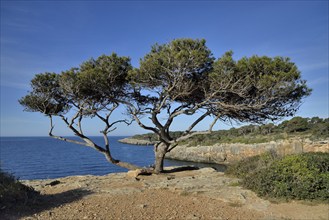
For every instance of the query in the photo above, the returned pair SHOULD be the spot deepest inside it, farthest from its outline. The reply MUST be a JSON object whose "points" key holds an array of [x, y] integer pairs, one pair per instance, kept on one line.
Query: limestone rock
{"points": [[134, 173], [136, 141], [228, 153], [137, 172]]}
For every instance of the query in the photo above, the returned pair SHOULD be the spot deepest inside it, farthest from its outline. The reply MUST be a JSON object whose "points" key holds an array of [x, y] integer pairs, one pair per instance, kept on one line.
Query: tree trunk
{"points": [[119, 163], [160, 153]]}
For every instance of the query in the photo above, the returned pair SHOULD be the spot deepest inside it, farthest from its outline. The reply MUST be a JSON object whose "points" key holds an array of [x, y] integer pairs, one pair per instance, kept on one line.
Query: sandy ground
{"points": [[195, 194]]}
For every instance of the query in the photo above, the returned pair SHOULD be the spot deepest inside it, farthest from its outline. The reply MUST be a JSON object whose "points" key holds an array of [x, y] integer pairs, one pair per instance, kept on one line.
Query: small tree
{"points": [[183, 79], [174, 79], [93, 90], [297, 124]]}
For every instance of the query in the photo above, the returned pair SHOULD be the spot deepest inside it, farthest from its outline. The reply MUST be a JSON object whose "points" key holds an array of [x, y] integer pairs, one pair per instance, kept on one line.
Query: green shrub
{"points": [[302, 176], [12, 191], [250, 165]]}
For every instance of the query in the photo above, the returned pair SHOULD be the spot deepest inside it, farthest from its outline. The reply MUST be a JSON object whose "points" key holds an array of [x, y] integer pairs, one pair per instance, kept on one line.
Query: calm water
{"points": [[45, 157]]}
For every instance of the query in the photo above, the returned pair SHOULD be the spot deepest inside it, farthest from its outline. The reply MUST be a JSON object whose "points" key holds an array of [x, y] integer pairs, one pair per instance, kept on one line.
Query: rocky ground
{"points": [[189, 194]]}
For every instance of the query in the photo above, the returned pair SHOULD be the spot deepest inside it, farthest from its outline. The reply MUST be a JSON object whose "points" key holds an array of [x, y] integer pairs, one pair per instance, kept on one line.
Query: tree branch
{"points": [[134, 112], [189, 134], [89, 143], [197, 122], [62, 138]]}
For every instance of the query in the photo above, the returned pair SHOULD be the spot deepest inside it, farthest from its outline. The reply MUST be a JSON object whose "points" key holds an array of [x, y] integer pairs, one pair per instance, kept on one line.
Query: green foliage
{"points": [[320, 127], [302, 176], [103, 78], [182, 73], [174, 79], [176, 69], [252, 164], [314, 128], [94, 85], [12, 191], [46, 96], [297, 124], [272, 87]]}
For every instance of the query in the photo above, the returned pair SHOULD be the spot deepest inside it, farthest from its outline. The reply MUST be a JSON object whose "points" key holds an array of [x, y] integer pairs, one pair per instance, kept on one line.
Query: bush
{"points": [[303, 176], [12, 191], [250, 165]]}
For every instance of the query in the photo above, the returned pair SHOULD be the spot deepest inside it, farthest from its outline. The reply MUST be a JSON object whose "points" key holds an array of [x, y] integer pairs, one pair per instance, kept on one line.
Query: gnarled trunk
{"points": [[119, 163], [160, 152]]}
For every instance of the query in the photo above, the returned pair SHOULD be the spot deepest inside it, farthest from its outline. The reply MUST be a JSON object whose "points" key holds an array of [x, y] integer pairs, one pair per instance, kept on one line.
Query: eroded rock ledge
{"points": [[228, 153], [136, 141]]}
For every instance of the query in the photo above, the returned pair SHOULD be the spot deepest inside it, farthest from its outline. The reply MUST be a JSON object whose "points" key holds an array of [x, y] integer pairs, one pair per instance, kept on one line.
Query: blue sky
{"points": [[53, 36]]}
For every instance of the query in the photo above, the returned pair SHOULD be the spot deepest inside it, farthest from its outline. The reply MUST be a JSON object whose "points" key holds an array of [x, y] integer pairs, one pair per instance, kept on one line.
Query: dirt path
{"points": [[195, 194]]}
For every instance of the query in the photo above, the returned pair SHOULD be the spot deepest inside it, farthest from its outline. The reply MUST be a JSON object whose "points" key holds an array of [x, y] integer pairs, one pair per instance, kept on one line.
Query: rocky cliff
{"points": [[227, 153]]}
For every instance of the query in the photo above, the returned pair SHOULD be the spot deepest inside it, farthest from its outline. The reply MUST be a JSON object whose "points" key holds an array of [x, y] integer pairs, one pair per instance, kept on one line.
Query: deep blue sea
{"points": [[47, 158]]}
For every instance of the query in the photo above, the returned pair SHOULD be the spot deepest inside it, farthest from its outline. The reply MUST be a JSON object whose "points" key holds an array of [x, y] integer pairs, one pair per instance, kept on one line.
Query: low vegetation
{"points": [[313, 128], [12, 192], [300, 176]]}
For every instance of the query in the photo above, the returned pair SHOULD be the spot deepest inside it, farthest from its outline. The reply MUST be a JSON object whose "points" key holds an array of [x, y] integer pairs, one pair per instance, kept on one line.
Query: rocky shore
{"points": [[228, 153], [136, 141], [176, 194]]}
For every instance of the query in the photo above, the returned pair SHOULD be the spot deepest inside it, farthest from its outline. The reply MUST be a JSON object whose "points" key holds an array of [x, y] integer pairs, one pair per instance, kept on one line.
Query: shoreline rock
{"points": [[229, 153], [136, 141]]}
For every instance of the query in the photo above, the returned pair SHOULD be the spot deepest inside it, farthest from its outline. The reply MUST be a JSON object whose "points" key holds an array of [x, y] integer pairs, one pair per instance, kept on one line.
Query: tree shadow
{"points": [[181, 169], [38, 203]]}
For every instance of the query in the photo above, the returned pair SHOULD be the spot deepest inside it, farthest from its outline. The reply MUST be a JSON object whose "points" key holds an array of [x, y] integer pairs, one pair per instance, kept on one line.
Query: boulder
{"points": [[137, 172]]}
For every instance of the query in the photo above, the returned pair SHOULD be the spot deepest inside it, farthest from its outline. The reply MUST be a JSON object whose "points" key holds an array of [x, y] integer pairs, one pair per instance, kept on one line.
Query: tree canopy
{"points": [[175, 70], [178, 78], [46, 96], [184, 79], [94, 90], [255, 89]]}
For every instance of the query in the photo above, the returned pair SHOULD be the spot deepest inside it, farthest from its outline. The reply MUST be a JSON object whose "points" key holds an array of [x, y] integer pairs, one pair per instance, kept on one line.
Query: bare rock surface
{"points": [[193, 194], [136, 141], [228, 153]]}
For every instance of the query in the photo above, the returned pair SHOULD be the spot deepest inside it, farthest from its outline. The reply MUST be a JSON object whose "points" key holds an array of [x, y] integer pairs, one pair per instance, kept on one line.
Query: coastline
{"points": [[227, 153], [133, 141]]}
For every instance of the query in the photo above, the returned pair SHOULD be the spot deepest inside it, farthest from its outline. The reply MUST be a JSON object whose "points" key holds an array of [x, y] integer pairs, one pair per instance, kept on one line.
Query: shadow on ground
{"points": [[181, 169], [38, 203]]}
